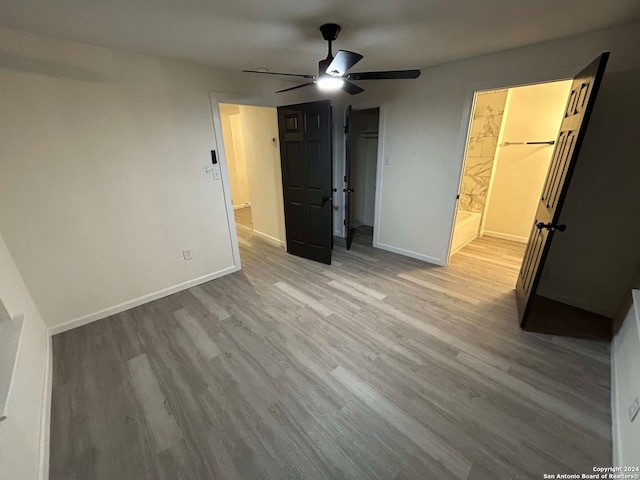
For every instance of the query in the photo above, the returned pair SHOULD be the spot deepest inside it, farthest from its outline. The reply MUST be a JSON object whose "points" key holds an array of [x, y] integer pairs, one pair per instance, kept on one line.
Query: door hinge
{"points": [[344, 222], [345, 178], [346, 129]]}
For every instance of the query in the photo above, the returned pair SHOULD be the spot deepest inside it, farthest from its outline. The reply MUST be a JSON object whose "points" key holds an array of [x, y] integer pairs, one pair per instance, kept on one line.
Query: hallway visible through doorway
{"points": [[243, 217], [250, 137]]}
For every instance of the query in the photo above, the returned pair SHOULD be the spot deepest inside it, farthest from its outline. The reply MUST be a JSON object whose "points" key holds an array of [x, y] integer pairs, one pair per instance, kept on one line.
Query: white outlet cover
{"points": [[187, 254]]}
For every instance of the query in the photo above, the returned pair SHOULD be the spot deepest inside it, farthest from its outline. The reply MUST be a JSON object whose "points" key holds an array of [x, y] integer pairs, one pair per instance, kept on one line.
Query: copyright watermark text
{"points": [[599, 473]]}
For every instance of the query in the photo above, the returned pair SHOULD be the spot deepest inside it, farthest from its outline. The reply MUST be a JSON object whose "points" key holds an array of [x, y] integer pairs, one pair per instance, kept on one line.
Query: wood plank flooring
{"points": [[376, 367], [244, 217]]}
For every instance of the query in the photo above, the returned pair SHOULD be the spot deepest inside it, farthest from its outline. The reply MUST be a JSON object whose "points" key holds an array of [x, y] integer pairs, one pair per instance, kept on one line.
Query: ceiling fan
{"points": [[332, 71]]}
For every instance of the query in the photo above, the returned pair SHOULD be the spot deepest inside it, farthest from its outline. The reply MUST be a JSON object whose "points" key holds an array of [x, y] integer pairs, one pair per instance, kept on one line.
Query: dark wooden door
{"points": [[305, 152], [567, 149], [347, 177]]}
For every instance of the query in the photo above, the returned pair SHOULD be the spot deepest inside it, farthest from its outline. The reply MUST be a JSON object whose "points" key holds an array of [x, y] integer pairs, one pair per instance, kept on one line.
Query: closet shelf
{"points": [[368, 134]]}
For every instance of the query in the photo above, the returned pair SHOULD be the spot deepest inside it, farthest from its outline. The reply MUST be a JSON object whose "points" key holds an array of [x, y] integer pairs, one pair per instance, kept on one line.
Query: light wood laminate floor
{"points": [[377, 367], [244, 217]]}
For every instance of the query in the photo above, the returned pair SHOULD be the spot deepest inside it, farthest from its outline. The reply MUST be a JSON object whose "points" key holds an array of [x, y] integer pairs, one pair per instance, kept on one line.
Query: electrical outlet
{"points": [[187, 254], [634, 409]]}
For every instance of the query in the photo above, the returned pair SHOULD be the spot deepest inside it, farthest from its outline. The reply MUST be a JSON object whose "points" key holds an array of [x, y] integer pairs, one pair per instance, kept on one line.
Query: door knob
{"points": [[551, 227], [348, 190], [325, 199]]}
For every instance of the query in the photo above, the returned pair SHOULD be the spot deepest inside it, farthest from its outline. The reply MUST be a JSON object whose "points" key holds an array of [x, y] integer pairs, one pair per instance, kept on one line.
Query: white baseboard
{"points": [[45, 422], [269, 238], [241, 205], [460, 247], [107, 312], [409, 253], [505, 236]]}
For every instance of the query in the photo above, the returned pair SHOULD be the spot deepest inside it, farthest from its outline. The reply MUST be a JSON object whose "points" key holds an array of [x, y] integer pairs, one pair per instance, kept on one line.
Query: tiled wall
{"points": [[485, 127]]}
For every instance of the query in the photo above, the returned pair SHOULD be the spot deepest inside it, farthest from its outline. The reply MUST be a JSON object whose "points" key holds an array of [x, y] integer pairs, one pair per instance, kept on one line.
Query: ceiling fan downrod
{"points": [[330, 32]]}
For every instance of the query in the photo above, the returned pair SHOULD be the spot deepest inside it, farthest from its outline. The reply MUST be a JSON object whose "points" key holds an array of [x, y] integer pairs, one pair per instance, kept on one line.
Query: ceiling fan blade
{"points": [[278, 73], [388, 75], [351, 88], [342, 62], [297, 86]]}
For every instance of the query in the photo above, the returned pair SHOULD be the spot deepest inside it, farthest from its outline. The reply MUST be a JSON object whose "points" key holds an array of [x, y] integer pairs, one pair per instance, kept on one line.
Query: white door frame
{"points": [[237, 99], [377, 203]]}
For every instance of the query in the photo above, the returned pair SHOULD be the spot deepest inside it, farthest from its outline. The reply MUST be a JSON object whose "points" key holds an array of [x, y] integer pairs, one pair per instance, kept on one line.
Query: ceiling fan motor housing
{"points": [[330, 31]]}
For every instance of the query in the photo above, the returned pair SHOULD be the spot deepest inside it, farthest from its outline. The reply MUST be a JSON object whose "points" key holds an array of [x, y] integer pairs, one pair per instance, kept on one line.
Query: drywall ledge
{"points": [[10, 331], [625, 387]]}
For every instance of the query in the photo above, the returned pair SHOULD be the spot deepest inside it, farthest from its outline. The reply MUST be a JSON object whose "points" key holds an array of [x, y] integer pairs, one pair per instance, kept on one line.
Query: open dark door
{"points": [[347, 190], [567, 149], [305, 151]]}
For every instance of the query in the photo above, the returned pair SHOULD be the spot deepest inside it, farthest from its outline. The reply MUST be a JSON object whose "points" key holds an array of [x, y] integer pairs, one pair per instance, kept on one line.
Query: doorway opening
{"points": [[250, 137], [361, 175], [509, 150]]}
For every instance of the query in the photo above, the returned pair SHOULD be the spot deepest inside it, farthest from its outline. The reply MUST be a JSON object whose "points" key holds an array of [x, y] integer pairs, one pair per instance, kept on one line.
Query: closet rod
{"points": [[548, 142]]}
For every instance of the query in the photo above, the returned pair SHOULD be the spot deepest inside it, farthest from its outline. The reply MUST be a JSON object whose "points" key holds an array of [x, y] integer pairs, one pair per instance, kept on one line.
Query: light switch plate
{"points": [[187, 254], [216, 174], [634, 409]]}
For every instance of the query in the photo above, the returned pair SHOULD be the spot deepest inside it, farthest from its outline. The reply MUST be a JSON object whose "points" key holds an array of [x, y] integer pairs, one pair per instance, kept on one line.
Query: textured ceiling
{"points": [[283, 35]]}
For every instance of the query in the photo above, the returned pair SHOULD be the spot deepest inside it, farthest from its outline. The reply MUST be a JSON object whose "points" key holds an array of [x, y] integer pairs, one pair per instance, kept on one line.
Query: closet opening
{"points": [[509, 149]]}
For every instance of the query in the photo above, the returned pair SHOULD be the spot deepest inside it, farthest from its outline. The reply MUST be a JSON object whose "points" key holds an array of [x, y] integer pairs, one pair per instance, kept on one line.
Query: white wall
{"points": [[625, 376], [259, 127], [234, 149], [625, 370], [533, 113], [20, 432], [244, 195], [427, 119], [102, 178]]}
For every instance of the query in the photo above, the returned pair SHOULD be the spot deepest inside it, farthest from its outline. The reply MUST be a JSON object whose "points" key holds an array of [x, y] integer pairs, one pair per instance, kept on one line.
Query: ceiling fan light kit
{"points": [[328, 83], [333, 71]]}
